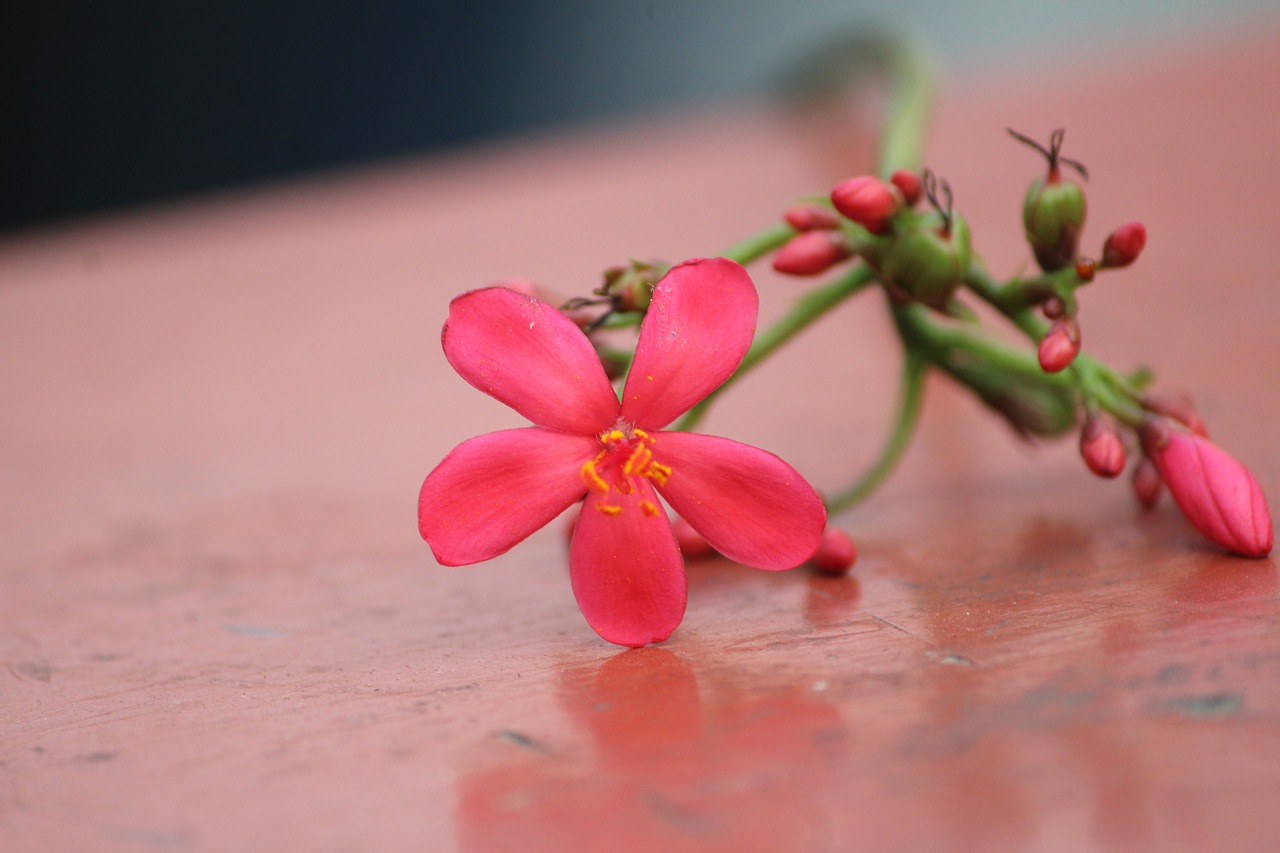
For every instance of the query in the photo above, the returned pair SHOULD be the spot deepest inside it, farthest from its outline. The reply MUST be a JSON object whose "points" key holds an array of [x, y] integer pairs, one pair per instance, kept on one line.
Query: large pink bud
{"points": [[1214, 491]]}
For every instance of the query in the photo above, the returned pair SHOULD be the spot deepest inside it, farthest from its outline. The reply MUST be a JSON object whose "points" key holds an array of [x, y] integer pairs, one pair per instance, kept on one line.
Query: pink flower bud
{"points": [[1146, 482], [1215, 492], [1124, 245], [1060, 345], [811, 217], [811, 253], [909, 183], [691, 543], [1101, 446], [868, 201], [836, 554]]}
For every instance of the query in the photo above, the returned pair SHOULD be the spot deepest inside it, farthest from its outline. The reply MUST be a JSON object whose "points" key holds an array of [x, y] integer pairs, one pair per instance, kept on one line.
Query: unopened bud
{"points": [[811, 217], [1053, 211], [1215, 492], [811, 253], [1053, 308], [908, 183], [929, 259], [692, 544], [836, 553], [1124, 245], [1060, 345], [868, 201], [1146, 482], [1101, 446], [1086, 269]]}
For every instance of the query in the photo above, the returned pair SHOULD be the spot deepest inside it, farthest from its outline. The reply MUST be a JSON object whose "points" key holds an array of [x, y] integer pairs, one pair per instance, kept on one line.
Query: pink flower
{"points": [[1216, 493], [492, 491]]}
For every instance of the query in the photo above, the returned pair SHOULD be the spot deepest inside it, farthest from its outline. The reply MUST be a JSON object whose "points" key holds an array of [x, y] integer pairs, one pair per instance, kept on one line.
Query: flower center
{"points": [[626, 454]]}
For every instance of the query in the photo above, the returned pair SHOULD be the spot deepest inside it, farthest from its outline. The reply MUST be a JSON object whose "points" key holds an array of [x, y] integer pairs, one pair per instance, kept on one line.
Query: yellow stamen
{"points": [[643, 436], [648, 508], [636, 463], [610, 509], [613, 437], [592, 477], [658, 472]]}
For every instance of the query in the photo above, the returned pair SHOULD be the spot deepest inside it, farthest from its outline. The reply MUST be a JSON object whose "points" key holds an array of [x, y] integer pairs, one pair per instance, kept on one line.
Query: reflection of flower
{"points": [[494, 490], [1214, 491], [666, 757]]}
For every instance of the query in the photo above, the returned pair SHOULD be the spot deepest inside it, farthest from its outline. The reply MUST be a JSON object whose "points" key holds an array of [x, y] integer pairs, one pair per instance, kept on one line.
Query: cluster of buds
{"points": [[1053, 217], [1217, 494], [919, 256]]}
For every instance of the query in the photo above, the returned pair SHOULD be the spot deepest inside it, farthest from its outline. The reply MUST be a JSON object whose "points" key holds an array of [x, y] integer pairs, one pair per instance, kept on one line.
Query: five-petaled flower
{"points": [[492, 491]]}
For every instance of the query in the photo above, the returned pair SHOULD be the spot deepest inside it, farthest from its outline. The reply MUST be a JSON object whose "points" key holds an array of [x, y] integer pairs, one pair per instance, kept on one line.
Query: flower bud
{"points": [[631, 287], [908, 183], [1124, 245], [1053, 211], [929, 259], [1101, 446], [811, 253], [1053, 216], [836, 553], [1060, 345], [868, 201], [1146, 482], [1215, 492], [811, 217]]}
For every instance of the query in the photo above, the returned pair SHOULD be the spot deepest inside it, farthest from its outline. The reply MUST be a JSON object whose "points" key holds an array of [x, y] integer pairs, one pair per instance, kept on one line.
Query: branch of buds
{"points": [[903, 233]]}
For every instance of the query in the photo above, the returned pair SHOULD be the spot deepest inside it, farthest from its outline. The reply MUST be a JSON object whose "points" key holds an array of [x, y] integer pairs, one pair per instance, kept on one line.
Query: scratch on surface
{"points": [[523, 741], [1209, 705], [899, 628]]}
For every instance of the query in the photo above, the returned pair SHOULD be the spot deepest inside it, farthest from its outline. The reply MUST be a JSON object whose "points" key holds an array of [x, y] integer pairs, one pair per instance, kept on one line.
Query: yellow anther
{"points": [[609, 509], [643, 436], [648, 508], [592, 477], [658, 472], [613, 436], [636, 462]]}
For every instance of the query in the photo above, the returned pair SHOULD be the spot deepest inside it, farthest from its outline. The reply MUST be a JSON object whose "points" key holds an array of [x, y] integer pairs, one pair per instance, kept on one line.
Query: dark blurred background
{"points": [[111, 104]]}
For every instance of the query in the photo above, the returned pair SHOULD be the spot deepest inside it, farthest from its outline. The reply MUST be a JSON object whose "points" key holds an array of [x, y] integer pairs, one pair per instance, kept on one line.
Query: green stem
{"points": [[759, 244], [910, 104], [910, 396], [804, 311]]}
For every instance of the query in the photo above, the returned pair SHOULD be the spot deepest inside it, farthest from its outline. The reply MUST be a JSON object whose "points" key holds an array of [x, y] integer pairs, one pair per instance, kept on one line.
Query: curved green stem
{"points": [[805, 311], [910, 396], [759, 244], [910, 104]]}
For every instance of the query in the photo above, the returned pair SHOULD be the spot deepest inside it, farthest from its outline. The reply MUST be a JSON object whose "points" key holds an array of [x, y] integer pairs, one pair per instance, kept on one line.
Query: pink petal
{"points": [[494, 490], [626, 569], [699, 326], [531, 357], [752, 507]]}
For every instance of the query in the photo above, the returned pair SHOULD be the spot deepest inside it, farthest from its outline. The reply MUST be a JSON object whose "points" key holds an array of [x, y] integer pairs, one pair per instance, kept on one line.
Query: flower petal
{"points": [[749, 504], [699, 326], [494, 490], [530, 356], [626, 569]]}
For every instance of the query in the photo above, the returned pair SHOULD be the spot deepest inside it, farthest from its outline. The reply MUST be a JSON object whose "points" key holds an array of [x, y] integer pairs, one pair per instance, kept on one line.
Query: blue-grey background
{"points": [[113, 104]]}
